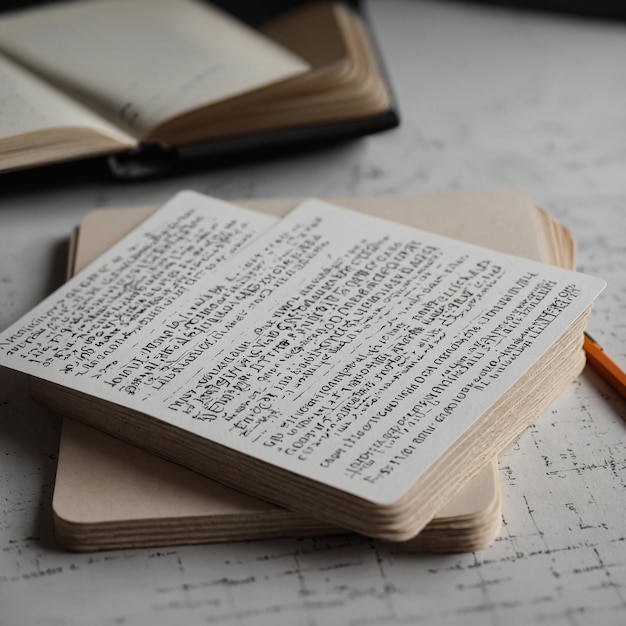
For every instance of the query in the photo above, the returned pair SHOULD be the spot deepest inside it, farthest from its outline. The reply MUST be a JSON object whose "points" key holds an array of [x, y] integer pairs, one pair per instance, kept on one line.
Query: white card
{"points": [[345, 348]]}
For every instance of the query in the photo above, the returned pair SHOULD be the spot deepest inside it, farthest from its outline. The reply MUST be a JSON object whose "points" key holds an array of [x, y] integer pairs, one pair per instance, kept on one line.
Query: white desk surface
{"points": [[489, 99]]}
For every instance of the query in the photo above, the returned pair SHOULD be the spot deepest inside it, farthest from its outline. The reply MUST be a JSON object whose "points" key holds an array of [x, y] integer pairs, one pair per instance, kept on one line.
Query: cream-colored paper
{"points": [[110, 495], [34, 116], [125, 58], [29, 105]]}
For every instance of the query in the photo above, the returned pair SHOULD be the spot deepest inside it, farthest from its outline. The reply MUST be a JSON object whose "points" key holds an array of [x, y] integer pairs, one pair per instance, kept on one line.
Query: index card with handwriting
{"points": [[343, 349]]}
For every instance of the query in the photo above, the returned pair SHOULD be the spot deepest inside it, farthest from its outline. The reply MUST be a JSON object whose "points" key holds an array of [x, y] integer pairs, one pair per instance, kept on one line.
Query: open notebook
{"points": [[154, 84], [109, 494]]}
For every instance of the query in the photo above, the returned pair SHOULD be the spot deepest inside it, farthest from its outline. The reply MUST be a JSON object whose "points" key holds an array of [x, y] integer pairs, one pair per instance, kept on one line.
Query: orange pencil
{"points": [[607, 368]]}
